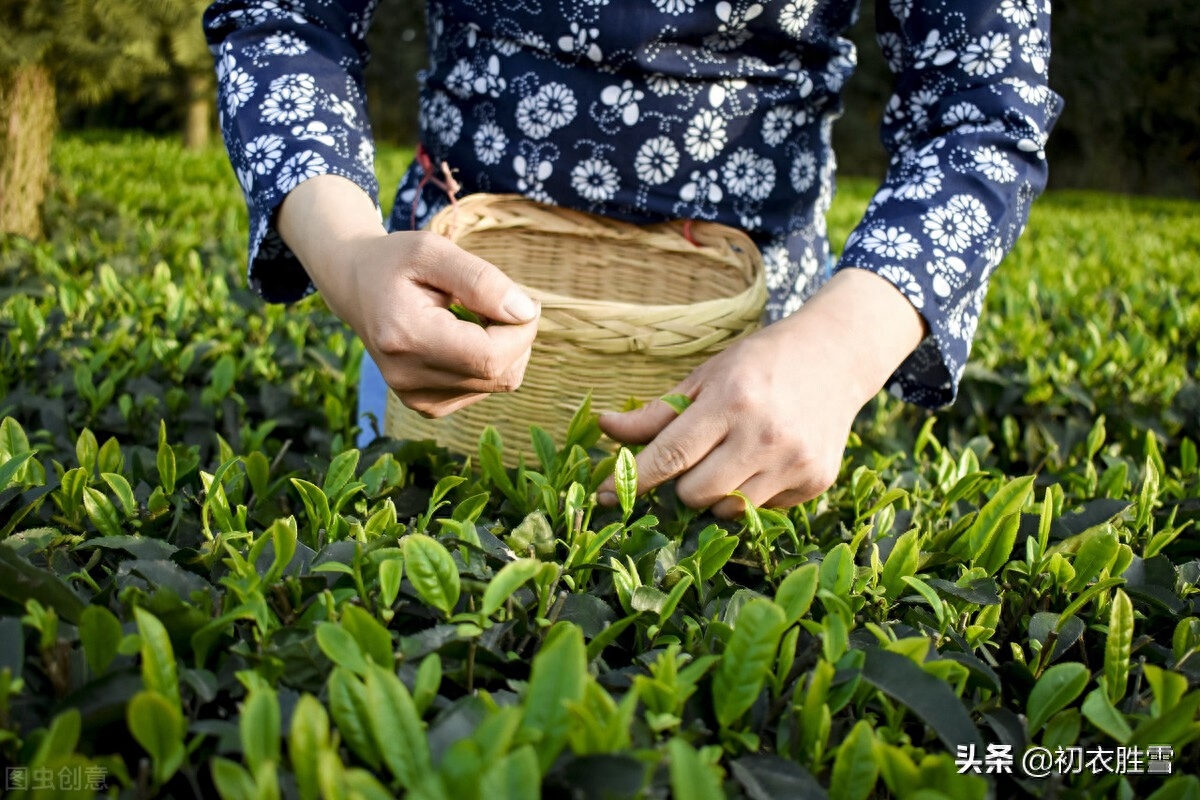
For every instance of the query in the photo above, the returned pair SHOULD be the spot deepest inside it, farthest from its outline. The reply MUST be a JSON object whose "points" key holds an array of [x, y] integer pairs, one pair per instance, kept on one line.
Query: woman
{"points": [[647, 111]]}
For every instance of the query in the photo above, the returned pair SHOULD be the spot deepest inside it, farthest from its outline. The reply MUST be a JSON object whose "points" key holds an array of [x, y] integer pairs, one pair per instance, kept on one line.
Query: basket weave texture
{"points": [[598, 333]]}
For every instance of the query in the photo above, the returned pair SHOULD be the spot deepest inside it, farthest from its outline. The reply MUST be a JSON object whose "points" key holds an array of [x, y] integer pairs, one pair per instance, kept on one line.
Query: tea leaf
{"points": [[101, 512], [391, 572], [677, 401], [1118, 645], [510, 578], [158, 658], [260, 727], [928, 697], [100, 634], [902, 561], [747, 660], [157, 725], [1100, 712], [691, 777], [515, 776], [373, 638], [625, 475], [340, 647], [396, 727], [308, 738], [1058, 686], [429, 680], [796, 592], [350, 710], [165, 460], [556, 680], [855, 768], [21, 581], [1006, 502], [432, 571]]}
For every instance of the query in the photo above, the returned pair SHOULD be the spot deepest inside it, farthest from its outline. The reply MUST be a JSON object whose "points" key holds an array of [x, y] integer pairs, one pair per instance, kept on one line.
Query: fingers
{"points": [[433, 404], [686, 441], [451, 345], [405, 378], [480, 286]]}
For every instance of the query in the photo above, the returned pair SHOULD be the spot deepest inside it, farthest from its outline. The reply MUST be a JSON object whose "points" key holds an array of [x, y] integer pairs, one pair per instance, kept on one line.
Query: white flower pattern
{"points": [[732, 126]]}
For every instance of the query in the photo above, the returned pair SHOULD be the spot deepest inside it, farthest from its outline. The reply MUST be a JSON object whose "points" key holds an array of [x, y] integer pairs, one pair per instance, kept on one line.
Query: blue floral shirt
{"points": [[654, 109]]}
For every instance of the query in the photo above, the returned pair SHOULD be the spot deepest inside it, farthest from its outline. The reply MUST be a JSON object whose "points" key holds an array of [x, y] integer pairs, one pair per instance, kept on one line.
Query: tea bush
{"points": [[205, 590]]}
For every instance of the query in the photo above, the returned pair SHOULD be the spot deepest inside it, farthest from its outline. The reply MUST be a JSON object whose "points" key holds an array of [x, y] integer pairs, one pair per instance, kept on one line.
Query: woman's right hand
{"points": [[395, 291]]}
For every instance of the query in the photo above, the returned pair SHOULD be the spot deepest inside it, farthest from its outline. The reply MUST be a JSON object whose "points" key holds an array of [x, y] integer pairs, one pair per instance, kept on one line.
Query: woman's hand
{"points": [[770, 415], [395, 290]]}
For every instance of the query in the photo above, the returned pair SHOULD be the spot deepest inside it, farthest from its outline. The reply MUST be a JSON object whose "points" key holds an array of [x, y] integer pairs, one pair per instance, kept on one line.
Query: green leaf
{"points": [[428, 683], [11, 468], [1057, 688], [1095, 553], [432, 571], [1006, 502], [87, 450], [396, 727], [796, 592], [232, 780], [373, 638], [1118, 645], [691, 777], [21, 582], [101, 512], [341, 472], [1103, 714], [998, 547], [855, 768], [350, 710], [510, 578], [677, 401], [159, 672], [534, 533], [901, 562], [837, 570], [260, 728], [165, 460], [157, 726], [391, 572], [747, 660], [556, 681], [625, 476], [543, 445], [316, 504], [309, 736], [121, 488], [60, 739], [515, 776], [930, 698], [100, 634], [1178, 787], [340, 647]]}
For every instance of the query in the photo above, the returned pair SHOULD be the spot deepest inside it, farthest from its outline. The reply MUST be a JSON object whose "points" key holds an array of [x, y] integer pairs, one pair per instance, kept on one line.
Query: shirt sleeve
{"points": [[965, 128], [291, 105]]}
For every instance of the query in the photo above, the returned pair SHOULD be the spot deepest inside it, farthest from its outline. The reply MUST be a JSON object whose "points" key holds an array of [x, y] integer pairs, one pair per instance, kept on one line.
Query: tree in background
{"points": [[80, 48], [54, 51], [183, 48]]}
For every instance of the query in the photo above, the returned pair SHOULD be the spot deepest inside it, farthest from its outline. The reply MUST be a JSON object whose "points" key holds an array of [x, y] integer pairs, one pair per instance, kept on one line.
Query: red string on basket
{"points": [[446, 182]]}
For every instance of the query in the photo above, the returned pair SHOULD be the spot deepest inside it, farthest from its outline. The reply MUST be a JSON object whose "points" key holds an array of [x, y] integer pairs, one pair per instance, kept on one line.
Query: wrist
{"points": [[873, 326]]}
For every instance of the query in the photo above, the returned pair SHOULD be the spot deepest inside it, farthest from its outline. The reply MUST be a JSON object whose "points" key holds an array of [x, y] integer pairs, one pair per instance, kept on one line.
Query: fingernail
{"points": [[607, 498], [519, 305]]}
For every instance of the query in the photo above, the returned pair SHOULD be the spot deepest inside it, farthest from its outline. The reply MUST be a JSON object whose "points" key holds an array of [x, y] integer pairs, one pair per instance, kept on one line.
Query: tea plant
{"points": [[206, 591]]}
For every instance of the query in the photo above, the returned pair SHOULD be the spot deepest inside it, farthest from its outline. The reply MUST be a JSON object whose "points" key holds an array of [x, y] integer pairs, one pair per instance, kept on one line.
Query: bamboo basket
{"points": [[597, 333]]}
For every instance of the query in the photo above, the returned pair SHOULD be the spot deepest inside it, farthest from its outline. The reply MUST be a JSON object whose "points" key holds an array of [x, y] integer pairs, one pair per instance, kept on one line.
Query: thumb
{"points": [[479, 285], [640, 425]]}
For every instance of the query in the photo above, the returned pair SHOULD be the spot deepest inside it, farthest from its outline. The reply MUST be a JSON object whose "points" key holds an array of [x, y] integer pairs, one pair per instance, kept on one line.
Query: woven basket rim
{"points": [[583, 222]]}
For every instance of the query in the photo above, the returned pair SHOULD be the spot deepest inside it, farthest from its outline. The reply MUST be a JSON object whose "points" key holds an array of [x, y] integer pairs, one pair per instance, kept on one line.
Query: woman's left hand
{"points": [[771, 414]]}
